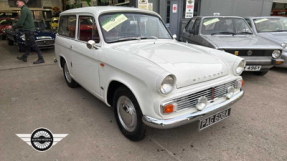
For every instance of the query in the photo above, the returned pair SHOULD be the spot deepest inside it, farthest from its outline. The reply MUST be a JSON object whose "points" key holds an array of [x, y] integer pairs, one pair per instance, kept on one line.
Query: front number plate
{"points": [[213, 119], [253, 68]]}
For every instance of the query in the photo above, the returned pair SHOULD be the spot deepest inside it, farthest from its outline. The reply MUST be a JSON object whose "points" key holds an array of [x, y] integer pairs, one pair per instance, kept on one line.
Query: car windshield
{"points": [[225, 26], [130, 26], [55, 21], [270, 24]]}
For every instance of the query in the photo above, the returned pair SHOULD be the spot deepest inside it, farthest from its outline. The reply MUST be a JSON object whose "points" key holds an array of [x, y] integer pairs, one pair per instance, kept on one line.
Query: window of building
{"points": [[67, 26], [88, 29]]}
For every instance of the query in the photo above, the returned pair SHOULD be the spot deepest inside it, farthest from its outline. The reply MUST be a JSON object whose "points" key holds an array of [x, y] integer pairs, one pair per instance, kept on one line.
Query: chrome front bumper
{"points": [[261, 60], [189, 118]]}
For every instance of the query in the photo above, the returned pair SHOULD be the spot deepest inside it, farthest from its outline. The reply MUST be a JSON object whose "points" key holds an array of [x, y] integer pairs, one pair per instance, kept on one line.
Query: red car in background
{"points": [[4, 23]]}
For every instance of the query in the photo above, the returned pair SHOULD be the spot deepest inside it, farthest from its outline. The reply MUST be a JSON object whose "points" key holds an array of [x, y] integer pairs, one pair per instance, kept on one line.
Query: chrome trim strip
{"points": [[189, 118]]}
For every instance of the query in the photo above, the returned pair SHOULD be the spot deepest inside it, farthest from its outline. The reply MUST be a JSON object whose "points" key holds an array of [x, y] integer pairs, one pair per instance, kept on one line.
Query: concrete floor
{"points": [[33, 96]]}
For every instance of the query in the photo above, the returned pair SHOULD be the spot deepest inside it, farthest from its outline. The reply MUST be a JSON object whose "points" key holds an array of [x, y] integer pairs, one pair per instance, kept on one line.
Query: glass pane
{"points": [[72, 26], [118, 26], [271, 24], [224, 26]]}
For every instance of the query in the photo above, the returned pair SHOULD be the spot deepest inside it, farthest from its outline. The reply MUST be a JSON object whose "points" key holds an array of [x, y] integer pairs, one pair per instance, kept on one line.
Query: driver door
{"points": [[85, 61]]}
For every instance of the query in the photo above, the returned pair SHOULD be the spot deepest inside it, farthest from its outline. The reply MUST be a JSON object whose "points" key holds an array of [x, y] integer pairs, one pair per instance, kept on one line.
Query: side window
{"points": [[196, 26], [249, 22], [88, 29], [190, 25], [67, 26]]}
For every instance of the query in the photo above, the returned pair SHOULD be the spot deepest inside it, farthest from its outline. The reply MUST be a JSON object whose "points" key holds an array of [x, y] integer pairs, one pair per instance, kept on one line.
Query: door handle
{"points": [[71, 47]]}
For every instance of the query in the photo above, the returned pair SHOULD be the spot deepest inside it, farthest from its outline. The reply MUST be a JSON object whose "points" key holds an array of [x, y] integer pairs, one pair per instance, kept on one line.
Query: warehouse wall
{"points": [[50, 3], [236, 7]]}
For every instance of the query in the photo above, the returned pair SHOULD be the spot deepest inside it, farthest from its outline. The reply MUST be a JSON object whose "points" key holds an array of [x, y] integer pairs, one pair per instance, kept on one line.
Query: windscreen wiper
{"points": [[281, 30], [148, 37], [126, 39], [232, 33], [249, 33]]}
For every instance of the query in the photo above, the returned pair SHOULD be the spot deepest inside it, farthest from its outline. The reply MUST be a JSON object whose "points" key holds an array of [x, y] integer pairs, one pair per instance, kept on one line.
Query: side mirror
{"points": [[174, 36], [90, 44]]}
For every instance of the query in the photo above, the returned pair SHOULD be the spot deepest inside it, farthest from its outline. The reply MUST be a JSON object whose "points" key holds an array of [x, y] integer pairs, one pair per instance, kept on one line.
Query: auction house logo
{"points": [[42, 139]]}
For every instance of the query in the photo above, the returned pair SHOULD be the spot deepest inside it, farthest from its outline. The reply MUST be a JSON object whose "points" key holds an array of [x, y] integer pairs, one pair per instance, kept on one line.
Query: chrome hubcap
{"points": [[127, 113], [67, 74]]}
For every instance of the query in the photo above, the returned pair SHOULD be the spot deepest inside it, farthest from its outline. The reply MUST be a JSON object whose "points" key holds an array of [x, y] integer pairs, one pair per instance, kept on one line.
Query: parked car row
{"points": [[45, 38], [261, 49]]}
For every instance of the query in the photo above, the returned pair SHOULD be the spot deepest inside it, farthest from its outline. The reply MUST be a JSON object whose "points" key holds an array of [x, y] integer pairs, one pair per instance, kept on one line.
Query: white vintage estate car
{"points": [[127, 58]]}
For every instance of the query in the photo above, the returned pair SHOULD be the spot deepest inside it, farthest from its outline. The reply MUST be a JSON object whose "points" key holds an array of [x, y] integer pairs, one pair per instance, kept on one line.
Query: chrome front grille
{"points": [[45, 42], [211, 93]]}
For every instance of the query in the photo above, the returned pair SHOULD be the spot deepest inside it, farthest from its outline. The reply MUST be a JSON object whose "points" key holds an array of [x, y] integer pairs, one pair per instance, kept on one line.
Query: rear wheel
{"points": [[128, 114], [10, 42], [261, 73], [70, 81]]}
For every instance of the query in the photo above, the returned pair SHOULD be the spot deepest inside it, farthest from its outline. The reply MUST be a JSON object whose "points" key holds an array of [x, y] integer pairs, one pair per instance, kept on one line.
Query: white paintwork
{"points": [[141, 64]]}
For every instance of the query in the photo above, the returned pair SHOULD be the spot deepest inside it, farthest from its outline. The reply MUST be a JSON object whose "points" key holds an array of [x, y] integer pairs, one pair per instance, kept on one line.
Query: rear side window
{"points": [[67, 26], [88, 29]]}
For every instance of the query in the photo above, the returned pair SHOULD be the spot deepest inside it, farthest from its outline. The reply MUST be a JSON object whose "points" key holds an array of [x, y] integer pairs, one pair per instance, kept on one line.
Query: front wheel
{"points": [[70, 81], [128, 114], [261, 73]]}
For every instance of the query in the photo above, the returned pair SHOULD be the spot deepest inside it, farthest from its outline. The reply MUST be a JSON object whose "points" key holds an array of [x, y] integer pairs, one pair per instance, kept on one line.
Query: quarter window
{"points": [[196, 27], [88, 29], [67, 26]]}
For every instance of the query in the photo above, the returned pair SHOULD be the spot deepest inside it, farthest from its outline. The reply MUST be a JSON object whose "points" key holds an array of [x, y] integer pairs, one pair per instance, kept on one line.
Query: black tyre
{"points": [[261, 73], [70, 81], [10, 42], [128, 114], [21, 47]]}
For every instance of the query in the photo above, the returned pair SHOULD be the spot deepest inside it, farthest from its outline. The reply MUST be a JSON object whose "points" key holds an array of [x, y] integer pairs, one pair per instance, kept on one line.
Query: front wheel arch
{"points": [[113, 86]]}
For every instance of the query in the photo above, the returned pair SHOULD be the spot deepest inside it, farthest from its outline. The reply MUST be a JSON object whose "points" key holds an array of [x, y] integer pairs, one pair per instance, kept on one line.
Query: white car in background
{"points": [[128, 59], [271, 28]]}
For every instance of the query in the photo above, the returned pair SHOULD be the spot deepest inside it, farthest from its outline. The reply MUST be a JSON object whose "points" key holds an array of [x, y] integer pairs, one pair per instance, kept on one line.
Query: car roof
{"points": [[218, 17], [253, 17], [106, 9]]}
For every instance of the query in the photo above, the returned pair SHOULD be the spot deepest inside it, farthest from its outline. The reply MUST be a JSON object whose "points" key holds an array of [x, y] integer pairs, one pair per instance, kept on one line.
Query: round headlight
{"points": [[230, 92], [284, 46], [240, 68], [201, 103], [276, 54], [167, 85]]}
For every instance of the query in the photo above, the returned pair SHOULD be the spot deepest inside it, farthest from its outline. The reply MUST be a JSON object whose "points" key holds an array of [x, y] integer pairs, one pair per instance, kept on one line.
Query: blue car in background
{"points": [[45, 38]]}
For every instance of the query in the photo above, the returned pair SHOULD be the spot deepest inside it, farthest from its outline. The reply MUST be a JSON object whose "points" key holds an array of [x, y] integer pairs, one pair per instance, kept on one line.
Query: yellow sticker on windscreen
{"points": [[113, 22], [260, 20], [209, 22]]}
